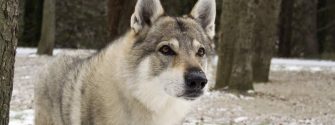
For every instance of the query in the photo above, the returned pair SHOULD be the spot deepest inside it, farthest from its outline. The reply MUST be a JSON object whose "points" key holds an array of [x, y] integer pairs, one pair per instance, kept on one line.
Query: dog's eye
{"points": [[166, 50], [201, 52]]}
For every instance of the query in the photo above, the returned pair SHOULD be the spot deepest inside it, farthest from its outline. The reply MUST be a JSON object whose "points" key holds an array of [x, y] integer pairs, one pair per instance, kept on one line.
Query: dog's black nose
{"points": [[195, 80]]}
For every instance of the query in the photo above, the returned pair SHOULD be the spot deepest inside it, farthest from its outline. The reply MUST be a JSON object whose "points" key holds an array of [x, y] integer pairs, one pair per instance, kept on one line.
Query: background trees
{"points": [[326, 28], [247, 42], [32, 22], [119, 13], [305, 29], [9, 10], [265, 37], [235, 43], [47, 40]]}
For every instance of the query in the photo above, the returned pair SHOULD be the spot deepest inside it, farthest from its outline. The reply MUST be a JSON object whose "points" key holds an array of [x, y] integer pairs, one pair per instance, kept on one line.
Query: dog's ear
{"points": [[146, 12], [204, 12]]}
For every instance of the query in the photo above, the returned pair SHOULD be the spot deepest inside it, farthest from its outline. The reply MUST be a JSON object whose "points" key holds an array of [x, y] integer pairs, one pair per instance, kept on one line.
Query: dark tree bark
{"points": [[322, 21], [265, 37], [126, 12], [82, 23], [217, 23], [285, 28], [304, 29], [178, 7], [332, 23], [308, 28], [9, 10], [298, 29], [47, 41], [235, 47], [32, 22], [119, 13], [329, 29]]}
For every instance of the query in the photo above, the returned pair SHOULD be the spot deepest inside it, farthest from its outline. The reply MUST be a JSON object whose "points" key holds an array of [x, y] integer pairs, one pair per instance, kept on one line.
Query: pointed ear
{"points": [[146, 12], [204, 12]]}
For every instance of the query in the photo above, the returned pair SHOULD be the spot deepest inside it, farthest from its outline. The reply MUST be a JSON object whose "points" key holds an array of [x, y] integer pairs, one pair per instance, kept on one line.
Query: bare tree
{"points": [[265, 37], [235, 47], [8, 41], [178, 7], [47, 40], [298, 29], [32, 11], [285, 28], [304, 41], [328, 28], [332, 24], [308, 27], [119, 13]]}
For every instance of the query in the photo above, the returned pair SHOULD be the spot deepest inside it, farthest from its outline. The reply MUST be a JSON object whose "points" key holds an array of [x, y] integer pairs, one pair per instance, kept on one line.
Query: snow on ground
{"points": [[299, 92], [25, 117], [281, 64], [31, 52], [299, 65]]}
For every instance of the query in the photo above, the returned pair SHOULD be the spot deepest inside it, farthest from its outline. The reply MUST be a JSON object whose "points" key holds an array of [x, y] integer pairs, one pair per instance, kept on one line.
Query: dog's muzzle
{"points": [[195, 81]]}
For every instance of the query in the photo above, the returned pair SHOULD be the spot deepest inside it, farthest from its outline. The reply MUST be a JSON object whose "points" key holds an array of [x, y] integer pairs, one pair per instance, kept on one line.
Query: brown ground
{"points": [[292, 97]]}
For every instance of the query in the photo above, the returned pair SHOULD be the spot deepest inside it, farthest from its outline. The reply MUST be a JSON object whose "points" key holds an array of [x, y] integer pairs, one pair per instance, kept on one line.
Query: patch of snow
{"points": [[280, 64], [25, 117], [26, 77], [301, 62], [240, 119], [31, 52], [246, 97], [25, 51], [251, 91]]}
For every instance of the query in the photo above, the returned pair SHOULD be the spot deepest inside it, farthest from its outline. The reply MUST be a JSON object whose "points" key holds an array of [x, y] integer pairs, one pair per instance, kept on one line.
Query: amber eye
{"points": [[201, 52], [166, 50]]}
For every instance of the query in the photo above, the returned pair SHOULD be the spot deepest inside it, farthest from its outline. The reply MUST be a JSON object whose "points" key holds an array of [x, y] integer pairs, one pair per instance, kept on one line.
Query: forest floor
{"points": [[300, 92]]}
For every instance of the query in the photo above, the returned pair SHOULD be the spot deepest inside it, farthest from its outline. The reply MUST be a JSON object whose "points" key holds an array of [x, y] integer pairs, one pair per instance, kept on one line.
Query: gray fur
{"points": [[129, 82]]}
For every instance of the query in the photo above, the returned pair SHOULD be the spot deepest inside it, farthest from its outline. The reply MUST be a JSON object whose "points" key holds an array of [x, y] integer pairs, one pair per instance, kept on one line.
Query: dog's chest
{"points": [[172, 114]]}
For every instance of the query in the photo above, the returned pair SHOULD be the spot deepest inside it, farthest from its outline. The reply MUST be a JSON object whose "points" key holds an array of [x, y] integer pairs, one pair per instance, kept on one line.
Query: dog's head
{"points": [[172, 52]]}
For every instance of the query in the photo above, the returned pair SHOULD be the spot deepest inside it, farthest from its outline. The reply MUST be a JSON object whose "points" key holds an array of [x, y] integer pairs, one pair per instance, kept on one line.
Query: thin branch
{"points": [[328, 7], [330, 25], [324, 9]]}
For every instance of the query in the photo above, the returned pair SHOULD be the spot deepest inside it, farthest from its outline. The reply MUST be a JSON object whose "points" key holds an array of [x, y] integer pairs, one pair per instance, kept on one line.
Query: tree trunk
{"points": [[285, 28], [114, 13], [81, 24], [308, 28], [332, 23], [329, 29], [235, 47], [9, 10], [119, 13], [32, 22], [303, 42], [127, 10], [267, 13], [47, 41], [322, 20], [217, 23], [178, 7]]}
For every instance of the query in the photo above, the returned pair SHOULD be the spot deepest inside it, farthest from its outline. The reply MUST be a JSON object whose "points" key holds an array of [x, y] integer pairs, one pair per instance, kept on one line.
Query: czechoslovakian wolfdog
{"points": [[150, 76]]}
